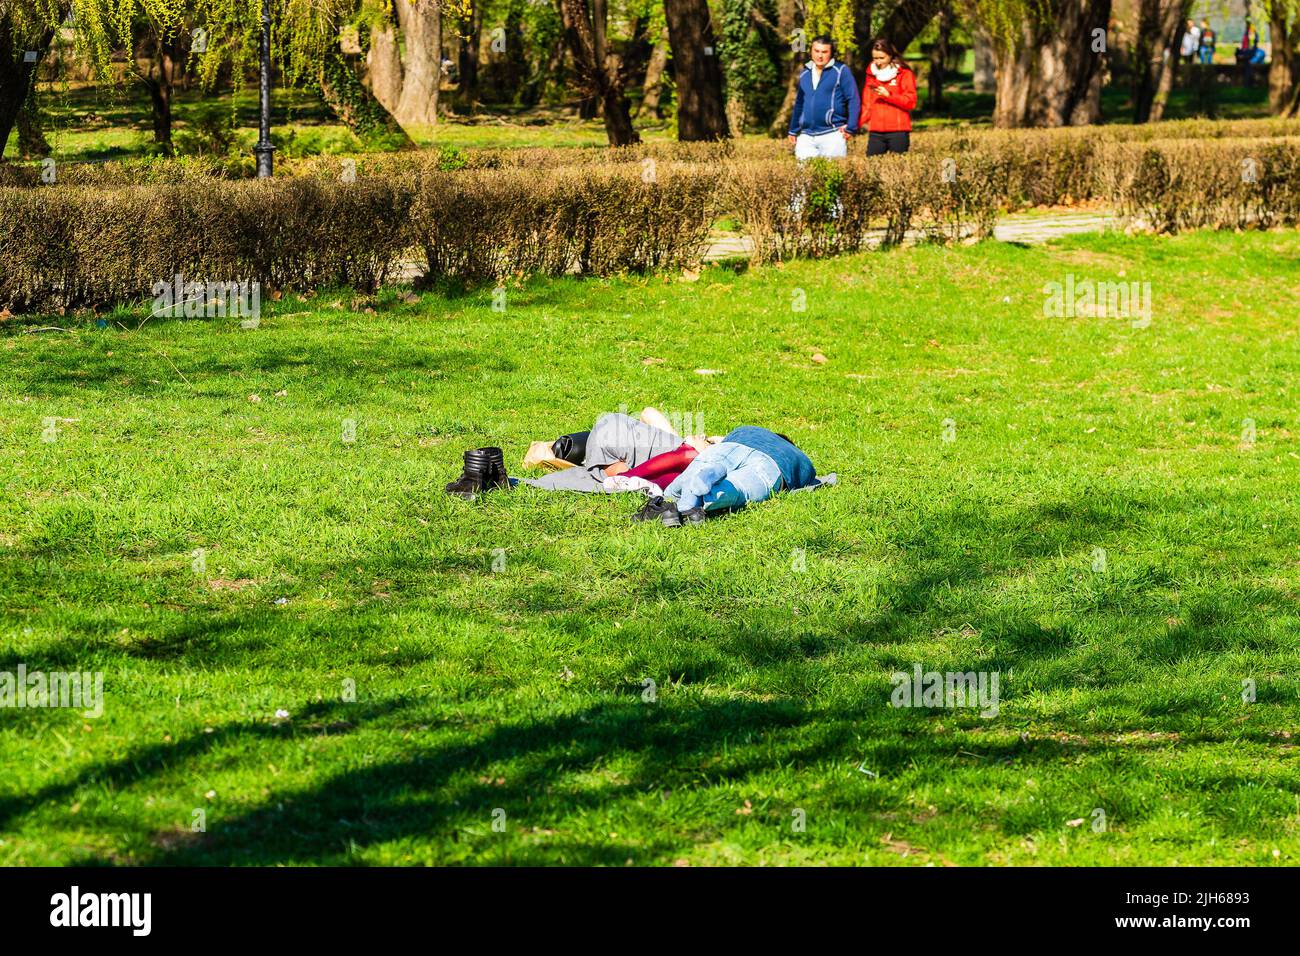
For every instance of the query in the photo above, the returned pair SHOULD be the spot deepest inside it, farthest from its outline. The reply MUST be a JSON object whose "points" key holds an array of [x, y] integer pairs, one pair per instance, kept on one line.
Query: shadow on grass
{"points": [[449, 790]]}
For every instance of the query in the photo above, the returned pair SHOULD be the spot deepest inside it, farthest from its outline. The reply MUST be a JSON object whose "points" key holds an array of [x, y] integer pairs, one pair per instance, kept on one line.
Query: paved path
{"points": [[1015, 228], [1021, 228]]}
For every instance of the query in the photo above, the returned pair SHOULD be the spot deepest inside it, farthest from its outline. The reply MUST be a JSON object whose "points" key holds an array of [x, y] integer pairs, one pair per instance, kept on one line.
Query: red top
{"points": [[891, 113]]}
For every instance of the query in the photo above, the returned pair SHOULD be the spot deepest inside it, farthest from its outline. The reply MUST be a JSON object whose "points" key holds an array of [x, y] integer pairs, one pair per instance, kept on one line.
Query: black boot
{"points": [[478, 475], [498, 477]]}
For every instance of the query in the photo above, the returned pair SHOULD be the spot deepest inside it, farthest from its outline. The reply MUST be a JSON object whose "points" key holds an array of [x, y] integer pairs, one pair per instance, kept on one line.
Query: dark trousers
{"points": [[880, 143]]}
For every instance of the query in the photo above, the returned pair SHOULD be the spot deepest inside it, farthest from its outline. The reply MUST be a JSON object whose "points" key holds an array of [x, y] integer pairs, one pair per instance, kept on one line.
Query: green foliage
{"points": [[752, 56], [451, 159], [834, 17], [827, 178], [211, 134]]}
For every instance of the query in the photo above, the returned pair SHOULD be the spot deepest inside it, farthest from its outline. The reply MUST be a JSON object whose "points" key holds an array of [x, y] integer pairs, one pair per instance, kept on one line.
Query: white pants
{"points": [[830, 145]]}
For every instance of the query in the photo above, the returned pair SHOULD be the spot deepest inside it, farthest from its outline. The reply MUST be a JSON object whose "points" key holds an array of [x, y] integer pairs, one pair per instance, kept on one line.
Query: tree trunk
{"points": [[1049, 71], [862, 36], [353, 103], [601, 73], [789, 16], [535, 90], [421, 24], [938, 59], [161, 53], [701, 111], [18, 77], [1284, 73], [31, 137], [908, 19], [470, 30], [384, 67], [654, 76], [985, 79], [1155, 60]]}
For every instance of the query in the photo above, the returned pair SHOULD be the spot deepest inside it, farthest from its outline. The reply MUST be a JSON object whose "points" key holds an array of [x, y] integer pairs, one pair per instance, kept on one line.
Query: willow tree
{"points": [[27, 28], [403, 44], [306, 45]]}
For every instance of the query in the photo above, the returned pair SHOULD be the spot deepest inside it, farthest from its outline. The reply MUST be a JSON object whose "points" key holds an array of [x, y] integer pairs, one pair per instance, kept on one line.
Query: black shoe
{"points": [[693, 515], [484, 469], [498, 477], [656, 509]]}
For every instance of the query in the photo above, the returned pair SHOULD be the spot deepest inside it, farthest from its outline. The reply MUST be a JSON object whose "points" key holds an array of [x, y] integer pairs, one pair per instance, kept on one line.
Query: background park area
{"points": [[480, 231]]}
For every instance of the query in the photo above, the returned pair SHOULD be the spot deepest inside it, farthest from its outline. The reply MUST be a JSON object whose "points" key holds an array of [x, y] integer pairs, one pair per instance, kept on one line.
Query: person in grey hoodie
{"points": [[826, 105]]}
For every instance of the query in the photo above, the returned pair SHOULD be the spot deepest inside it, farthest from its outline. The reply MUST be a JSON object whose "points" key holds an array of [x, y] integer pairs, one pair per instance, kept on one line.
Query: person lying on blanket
{"points": [[696, 474], [749, 465], [619, 445]]}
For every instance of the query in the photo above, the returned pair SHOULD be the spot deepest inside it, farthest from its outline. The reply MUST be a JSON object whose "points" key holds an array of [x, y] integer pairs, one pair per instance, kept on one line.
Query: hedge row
{"points": [[78, 246], [89, 246]]}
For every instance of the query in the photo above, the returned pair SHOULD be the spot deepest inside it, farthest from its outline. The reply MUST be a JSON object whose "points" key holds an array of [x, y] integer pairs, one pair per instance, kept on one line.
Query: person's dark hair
{"points": [[779, 435], [824, 38], [884, 46]]}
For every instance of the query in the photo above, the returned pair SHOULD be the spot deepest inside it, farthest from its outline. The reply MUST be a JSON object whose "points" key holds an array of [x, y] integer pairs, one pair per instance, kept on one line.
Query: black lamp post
{"points": [[264, 149]]}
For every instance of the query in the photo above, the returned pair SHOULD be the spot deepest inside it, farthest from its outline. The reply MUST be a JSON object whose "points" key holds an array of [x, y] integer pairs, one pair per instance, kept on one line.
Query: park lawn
{"points": [[519, 696]]}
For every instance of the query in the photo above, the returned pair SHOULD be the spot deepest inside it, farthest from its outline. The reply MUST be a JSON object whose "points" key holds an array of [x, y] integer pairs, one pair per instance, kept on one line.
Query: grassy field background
{"points": [[517, 695]]}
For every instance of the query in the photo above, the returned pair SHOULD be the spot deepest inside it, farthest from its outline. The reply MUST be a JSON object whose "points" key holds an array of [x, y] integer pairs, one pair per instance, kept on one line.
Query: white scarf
{"points": [[817, 74], [885, 75]]}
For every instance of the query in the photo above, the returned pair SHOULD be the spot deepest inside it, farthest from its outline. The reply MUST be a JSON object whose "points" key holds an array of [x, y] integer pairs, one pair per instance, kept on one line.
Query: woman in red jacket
{"points": [[889, 96]]}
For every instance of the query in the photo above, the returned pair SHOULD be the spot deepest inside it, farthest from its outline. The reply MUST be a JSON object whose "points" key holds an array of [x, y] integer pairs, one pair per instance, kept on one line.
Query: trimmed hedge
{"points": [[69, 246], [89, 246]]}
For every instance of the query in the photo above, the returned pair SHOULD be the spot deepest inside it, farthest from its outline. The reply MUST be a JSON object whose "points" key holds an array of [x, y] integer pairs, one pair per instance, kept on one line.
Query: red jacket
{"points": [[892, 113]]}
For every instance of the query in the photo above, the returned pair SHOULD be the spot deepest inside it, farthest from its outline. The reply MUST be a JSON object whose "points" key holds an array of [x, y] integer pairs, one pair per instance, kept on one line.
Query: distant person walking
{"points": [[1249, 53], [1208, 40], [889, 96], [826, 105], [1191, 44]]}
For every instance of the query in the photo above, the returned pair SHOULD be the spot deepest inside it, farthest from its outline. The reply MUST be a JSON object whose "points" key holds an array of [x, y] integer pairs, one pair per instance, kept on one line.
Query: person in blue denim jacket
{"points": [[749, 465]]}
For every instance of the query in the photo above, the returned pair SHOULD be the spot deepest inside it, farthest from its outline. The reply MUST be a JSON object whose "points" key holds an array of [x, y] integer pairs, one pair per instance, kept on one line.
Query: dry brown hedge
{"points": [[69, 246], [91, 246]]}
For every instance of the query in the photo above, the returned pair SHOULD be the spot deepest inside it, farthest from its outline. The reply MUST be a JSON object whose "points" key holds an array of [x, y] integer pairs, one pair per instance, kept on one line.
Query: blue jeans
{"points": [[1207, 55], [725, 475]]}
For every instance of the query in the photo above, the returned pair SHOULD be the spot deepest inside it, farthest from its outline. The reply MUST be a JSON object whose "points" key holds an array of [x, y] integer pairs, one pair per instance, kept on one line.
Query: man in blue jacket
{"points": [[825, 107]]}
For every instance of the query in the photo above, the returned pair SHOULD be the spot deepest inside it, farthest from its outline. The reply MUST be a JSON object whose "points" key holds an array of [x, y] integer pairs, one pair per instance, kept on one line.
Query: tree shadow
{"points": [[449, 790]]}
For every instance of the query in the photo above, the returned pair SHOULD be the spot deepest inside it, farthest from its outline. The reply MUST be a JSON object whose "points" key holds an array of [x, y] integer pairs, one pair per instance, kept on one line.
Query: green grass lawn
{"points": [[518, 695]]}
